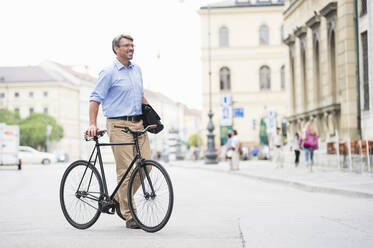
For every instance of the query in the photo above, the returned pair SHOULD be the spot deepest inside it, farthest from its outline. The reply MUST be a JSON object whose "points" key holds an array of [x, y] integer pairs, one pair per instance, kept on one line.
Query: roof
{"points": [[28, 74], [81, 75], [241, 4]]}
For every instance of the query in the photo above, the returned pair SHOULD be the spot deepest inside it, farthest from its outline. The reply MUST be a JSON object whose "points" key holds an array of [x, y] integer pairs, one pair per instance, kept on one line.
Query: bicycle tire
{"points": [[91, 184], [143, 209]]}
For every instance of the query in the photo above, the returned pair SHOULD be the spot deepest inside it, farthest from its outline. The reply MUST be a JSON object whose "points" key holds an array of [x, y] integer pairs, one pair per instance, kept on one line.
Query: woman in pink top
{"points": [[310, 143]]}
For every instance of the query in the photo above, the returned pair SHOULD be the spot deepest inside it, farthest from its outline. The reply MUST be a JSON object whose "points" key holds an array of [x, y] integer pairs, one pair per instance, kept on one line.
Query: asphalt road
{"points": [[211, 210]]}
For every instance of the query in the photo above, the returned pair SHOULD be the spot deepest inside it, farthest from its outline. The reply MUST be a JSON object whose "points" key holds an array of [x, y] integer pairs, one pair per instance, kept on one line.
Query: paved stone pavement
{"points": [[322, 179]]}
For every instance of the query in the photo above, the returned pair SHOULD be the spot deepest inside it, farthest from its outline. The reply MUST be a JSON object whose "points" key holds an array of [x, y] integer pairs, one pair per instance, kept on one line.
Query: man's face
{"points": [[125, 49]]}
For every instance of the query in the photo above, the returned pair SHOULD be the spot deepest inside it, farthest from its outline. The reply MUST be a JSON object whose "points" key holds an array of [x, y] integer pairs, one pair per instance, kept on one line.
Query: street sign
{"points": [[226, 101], [271, 118], [238, 112], [226, 116]]}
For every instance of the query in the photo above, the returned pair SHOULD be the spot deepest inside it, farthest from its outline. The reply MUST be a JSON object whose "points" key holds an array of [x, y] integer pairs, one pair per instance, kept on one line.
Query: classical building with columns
{"points": [[320, 36], [247, 67]]}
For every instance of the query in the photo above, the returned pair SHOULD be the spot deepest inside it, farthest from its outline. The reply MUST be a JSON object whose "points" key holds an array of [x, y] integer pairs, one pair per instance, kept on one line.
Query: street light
{"points": [[210, 155]]}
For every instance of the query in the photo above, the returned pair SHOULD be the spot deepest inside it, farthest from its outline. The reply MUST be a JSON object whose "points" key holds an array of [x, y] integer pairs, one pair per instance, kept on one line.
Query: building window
{"points": [[282, 33], [332, 64], [31, 94], [304, 70], [45, 110], [45, 93], [31, 110], [292, 77], [16, 110], [263, 35], [2, 94], [223, 36], [364, 47], [16, 94], [283, 77], [225, 78], [363, 8], [316, 63], [265, 78]]}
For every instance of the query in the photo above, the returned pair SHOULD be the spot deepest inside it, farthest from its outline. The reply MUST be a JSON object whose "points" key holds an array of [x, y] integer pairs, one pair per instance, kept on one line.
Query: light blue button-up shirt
{"points": [[120, 90]]}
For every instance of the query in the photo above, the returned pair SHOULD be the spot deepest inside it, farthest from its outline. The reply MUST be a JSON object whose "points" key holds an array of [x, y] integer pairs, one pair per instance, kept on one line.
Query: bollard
{"points": [[337, 149], [368, 155], [349, 153], [361, 158]]}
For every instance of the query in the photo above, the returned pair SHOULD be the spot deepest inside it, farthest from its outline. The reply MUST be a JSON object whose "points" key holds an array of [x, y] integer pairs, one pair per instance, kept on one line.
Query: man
{"points": [[120, 91], [277, 149], [236, 151]]}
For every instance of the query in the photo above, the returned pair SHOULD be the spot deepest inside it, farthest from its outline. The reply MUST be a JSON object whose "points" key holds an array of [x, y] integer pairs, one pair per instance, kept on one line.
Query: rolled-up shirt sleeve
{"points": [[102, 87]]}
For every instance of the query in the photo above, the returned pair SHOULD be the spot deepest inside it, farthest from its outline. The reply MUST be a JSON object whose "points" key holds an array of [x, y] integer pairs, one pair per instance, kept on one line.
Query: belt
{"points": [[134, 118]]}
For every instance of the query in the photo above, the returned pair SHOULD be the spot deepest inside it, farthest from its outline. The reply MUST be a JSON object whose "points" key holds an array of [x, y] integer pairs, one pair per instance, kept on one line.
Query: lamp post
{"points": [[210, 155]]}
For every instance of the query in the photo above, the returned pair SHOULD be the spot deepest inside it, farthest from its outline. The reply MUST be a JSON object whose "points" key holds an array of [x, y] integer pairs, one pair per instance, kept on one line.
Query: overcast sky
{"points": [[79, 32]]}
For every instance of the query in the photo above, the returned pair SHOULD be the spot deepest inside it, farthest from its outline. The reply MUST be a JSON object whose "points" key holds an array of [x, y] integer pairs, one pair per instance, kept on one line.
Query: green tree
{"points": [[33, 130], [192, 140], [8, 117]]}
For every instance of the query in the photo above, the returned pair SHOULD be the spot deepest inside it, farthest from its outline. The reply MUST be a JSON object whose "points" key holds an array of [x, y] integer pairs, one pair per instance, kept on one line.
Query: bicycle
{"points": [[84, 194]]}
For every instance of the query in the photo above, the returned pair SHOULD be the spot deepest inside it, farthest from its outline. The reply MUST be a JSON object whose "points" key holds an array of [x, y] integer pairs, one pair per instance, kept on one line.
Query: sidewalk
{"points": [[322, 179]]}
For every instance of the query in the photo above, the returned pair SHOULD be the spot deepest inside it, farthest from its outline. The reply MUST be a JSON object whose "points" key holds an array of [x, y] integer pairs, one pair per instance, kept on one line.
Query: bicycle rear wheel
{"points": [[150, 211], [80, 190]]}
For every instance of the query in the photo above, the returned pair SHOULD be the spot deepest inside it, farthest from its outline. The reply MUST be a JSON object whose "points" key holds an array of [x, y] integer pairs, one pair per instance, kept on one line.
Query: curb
{"points": [[290, 183]]}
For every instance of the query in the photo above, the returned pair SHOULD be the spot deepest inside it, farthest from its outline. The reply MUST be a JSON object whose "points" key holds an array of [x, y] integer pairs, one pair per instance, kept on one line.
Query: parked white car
{"points": [[29, 155]]}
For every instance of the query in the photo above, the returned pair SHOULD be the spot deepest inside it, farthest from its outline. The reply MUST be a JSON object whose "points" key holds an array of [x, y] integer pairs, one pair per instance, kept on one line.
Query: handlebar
{"points": [[99, 134], [127, 129]]}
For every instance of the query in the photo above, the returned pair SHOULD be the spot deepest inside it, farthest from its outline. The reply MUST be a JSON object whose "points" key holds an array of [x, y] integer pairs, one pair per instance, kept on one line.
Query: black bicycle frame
{"points": [[136, 158]]}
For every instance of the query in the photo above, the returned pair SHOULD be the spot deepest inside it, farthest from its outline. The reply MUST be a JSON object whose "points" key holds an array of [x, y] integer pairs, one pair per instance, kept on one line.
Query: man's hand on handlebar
{"points": [[92, 131]]}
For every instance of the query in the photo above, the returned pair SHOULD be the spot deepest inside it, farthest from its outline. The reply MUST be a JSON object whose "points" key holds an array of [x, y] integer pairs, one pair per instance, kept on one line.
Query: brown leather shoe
{"points": [[132, 224]]}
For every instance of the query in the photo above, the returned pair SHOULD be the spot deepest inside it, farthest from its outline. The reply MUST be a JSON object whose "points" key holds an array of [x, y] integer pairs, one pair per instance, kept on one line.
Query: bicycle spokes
{"points": [[152, 201], [81, 192]]}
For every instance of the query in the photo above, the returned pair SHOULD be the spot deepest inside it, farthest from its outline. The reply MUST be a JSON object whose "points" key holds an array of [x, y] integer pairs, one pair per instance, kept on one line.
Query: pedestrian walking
{"points": [[278, 157], [296, 146], [120, 91], [310, 144], [236, 146], [229, 150]]}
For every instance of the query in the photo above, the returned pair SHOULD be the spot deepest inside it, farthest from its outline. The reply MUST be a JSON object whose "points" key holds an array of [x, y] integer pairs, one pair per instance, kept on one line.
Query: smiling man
{"points": [[120, 91]]}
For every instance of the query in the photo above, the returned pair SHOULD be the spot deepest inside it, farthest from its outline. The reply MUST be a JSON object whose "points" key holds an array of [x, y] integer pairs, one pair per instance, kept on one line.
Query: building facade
{"points": [[365, 14], [37, 89], [320, 36], [247, 67]]}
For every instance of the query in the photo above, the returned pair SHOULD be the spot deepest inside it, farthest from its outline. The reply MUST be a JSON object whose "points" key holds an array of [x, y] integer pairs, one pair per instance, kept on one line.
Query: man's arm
{"points": [[93, 110]]}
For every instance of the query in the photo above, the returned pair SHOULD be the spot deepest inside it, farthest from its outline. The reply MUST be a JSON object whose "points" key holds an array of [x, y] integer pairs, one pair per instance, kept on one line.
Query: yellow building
{"points": [[247, 67], [321, 64]]}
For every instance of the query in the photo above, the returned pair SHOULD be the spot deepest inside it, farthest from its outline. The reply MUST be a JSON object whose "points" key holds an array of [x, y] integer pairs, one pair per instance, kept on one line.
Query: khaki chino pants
{"points": [[124, 155]]}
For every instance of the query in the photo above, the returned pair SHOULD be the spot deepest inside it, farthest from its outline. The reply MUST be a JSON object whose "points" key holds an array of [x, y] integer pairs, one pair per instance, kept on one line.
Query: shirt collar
{"points": [[119, 65]]}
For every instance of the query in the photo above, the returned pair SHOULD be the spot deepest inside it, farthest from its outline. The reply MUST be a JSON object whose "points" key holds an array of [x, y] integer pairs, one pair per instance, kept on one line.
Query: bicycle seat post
{"points": [[136, 141]]}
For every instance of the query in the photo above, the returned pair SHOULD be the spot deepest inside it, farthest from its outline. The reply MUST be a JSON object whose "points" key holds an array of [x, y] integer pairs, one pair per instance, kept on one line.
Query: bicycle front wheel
{"points": [[80, 191], [151, 201]]}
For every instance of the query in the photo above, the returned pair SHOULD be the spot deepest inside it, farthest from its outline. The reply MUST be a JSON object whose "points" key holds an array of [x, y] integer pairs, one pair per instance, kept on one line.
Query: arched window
{"points": [[223, 36], [333, 69], [282, 77], [303, 68], [316, 66], [263, 35], [225, 78], [265, 77]]}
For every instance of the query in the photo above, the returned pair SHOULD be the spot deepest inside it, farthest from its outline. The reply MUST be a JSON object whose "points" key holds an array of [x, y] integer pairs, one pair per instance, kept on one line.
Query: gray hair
{"points": [[117, 39]]}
